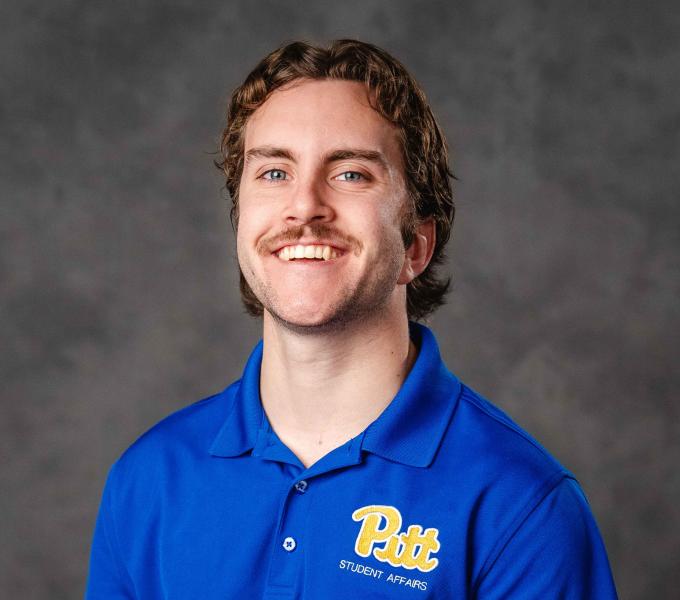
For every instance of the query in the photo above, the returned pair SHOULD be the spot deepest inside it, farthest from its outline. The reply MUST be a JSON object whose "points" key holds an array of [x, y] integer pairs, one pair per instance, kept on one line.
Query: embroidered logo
{"points": [[380, 535]]}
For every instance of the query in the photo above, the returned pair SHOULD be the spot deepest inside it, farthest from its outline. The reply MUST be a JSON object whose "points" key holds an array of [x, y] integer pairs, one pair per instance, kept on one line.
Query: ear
{"points": [[419, 253]]}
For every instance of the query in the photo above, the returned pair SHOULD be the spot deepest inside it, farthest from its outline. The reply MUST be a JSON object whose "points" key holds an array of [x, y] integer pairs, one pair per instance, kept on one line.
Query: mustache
{"points": [[268, 244]]}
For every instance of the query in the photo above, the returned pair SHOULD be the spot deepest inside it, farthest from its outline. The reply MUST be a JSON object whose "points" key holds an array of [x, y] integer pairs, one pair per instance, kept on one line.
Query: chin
{"points": [[301, 321], [334, 319]]}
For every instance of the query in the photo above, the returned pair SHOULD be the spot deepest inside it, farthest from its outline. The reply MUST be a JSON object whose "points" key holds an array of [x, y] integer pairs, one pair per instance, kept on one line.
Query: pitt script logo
{"points": [[379, 535]]}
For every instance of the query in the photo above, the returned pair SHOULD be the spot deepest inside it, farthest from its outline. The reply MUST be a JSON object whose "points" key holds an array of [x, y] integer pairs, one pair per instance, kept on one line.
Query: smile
{"points": [[315, 252]]}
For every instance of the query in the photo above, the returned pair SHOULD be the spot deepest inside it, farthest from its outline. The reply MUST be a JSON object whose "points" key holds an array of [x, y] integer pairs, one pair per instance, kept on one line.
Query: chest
{"points": [[331, 536]]}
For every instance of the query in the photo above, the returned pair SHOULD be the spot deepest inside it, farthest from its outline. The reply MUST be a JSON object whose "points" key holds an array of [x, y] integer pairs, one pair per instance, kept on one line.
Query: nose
{"points": [[308, 204]]}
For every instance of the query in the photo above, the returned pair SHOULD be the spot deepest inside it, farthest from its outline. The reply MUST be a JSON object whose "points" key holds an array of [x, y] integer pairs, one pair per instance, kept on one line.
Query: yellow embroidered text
{"points": [[379, 535]]}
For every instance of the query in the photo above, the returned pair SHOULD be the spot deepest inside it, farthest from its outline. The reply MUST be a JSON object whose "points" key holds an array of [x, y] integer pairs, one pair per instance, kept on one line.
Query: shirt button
{"points": [[301, 486], [289, 544]]}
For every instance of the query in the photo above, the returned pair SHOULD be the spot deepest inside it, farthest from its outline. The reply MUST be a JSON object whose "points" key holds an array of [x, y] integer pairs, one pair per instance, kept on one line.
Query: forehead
{"points": [[319, 115]]}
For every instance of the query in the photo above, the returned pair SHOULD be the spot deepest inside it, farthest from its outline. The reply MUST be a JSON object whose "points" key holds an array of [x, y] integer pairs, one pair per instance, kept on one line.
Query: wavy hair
{"points": [[398, 98]]}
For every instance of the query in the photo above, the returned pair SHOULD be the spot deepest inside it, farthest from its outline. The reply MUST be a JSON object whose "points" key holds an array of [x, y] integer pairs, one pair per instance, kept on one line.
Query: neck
{"points": [[321, 389]]}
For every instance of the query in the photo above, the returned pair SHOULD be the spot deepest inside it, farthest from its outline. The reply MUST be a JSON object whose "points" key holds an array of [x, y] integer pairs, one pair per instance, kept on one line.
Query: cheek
{"points": [[391, 220], [387, 247], [391, 213], [252, 223], [241, 253], [246, 240]]}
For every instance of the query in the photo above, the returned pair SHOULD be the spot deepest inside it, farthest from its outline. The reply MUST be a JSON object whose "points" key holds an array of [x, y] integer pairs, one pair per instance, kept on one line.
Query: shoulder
{"points": [[184, 433], [510, 486], [484, 435], [500, 471]]}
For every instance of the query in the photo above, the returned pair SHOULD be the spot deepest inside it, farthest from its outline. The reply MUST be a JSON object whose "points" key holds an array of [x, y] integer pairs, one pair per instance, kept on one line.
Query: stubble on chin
{"points": [[345, 313], [357, 305]]}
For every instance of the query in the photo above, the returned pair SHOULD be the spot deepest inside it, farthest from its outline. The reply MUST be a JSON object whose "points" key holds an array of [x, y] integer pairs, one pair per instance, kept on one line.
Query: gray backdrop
{"points": [[117, 271]]}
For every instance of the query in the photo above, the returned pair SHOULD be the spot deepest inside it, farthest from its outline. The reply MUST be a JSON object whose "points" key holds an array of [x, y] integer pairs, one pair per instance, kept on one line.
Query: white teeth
{"points": [[309, 252]]}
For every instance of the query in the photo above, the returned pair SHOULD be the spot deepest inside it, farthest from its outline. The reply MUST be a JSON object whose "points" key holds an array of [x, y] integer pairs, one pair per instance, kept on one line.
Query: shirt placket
{"points": [[286, 567], [285, 575]]}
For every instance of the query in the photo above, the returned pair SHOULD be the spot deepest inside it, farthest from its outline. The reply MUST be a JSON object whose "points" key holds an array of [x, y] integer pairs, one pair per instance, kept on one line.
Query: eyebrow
{"points": [[336, 155], [358, 154], [268, 152]]}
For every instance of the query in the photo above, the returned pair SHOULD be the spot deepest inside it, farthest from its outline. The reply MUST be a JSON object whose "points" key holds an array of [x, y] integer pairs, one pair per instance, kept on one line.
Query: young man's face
{"points": [[323, 170]]}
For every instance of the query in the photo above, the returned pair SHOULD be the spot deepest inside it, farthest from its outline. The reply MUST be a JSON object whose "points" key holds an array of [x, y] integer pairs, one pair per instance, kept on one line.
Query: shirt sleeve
{"points": [[556, 552], [108, 578]]}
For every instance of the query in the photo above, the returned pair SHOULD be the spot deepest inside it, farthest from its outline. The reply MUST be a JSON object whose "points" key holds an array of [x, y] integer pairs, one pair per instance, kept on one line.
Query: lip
{"points": [[302, 263], [340, 255], [310, 242]]}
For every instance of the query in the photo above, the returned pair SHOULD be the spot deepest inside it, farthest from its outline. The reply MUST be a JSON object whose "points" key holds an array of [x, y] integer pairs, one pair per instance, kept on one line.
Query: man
{"points": [[348, 462]]}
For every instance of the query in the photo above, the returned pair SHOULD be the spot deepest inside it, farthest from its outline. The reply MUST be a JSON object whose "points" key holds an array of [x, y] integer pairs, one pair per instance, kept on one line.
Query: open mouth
{"points": [[308, 252]]}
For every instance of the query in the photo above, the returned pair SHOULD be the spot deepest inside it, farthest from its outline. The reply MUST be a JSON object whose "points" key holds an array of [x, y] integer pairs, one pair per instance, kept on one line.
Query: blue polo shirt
{"points": [[442, 496]]}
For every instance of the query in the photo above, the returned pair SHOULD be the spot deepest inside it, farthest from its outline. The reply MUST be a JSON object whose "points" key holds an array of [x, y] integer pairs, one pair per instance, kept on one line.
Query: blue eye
{"points": [[274, 175], [350, 176]]}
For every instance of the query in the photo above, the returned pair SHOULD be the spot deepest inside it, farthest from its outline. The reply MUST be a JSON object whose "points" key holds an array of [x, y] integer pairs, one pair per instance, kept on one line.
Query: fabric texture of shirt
{"points": [[442, 496]]}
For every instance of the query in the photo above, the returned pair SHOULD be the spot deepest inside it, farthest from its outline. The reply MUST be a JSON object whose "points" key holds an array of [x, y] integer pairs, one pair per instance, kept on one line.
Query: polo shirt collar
{"points": [[411, 428], [408, 431], [241, 428]]}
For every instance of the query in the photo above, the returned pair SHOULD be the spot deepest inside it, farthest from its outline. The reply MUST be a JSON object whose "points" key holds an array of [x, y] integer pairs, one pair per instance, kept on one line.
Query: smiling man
{"points": [[347, 462]]}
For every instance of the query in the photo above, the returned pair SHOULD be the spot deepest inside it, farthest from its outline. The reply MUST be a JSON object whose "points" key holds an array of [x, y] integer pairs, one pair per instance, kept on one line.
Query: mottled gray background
{"points": [[118, 286]]}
